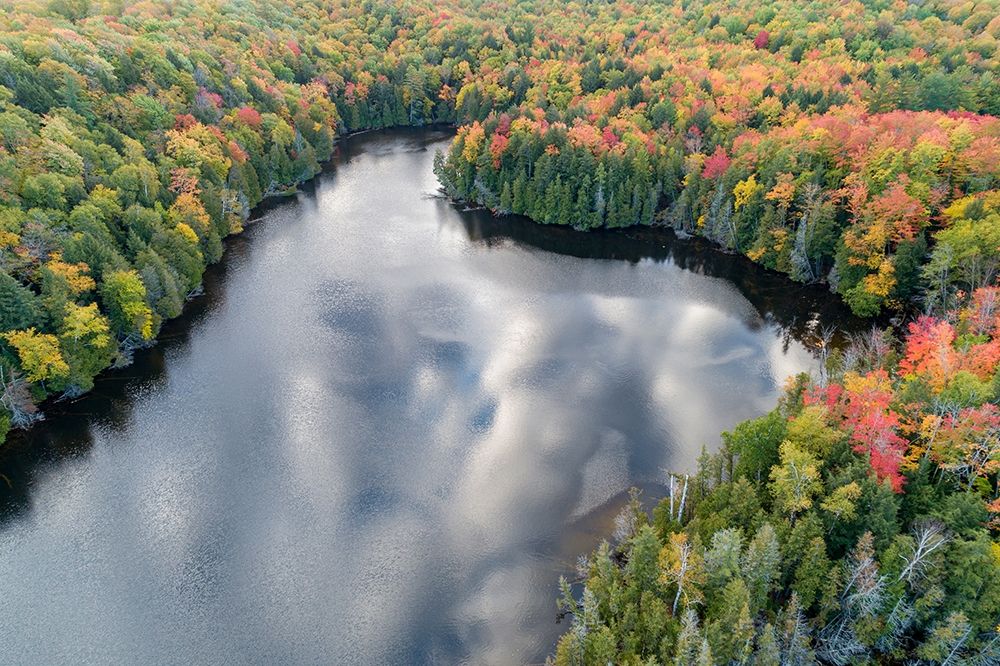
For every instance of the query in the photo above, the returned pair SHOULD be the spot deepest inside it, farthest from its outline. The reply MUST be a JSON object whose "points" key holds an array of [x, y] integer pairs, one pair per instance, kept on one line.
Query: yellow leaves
{"points": [[39, 354], [796, 479], [693, 164], [842, 501], [780, 237], [809, 430], [8, 239], [187, 209], [75, 275], [882, 282], [701, 221], [819, 134], [681, 564], [188, 233], [125, 298], [85, 322], [744, 191], [473, 143], [961, 137], [868, 383], [755, 254], [771, 108], [990, 202], [197, 147]]}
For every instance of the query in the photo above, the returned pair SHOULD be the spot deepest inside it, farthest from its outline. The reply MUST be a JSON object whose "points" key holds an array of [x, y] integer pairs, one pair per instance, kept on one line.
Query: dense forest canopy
{"points": [[853, 143], [854, 524], [850, 142]]}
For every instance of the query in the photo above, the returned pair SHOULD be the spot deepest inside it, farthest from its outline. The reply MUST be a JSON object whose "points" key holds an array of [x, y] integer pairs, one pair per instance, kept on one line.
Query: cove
{"points": [[384, 432]]}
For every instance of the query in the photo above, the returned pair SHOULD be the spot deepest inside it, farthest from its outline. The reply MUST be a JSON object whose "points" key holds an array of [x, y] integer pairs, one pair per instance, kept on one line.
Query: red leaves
{"points": [[183, 181], [873, 424], [503, 124], [249, 116], [966, 440], [863, 408], [205, 98], [609, 137], [183, 121], [717, 164], [761, 40], [236, 151], [498, 145]]}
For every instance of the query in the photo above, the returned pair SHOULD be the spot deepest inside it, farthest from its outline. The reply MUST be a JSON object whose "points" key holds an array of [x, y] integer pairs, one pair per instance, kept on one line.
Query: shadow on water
{"points": [[66, 431], [797, 310]]}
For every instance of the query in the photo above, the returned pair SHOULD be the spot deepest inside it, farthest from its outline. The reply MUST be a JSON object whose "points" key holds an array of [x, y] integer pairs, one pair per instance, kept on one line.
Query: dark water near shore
{"points": [[383, 433]]}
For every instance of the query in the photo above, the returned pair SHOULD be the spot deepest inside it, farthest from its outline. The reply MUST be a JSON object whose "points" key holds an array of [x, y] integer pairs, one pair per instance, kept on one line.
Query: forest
{"points": [[854, 144], [854, 524]]}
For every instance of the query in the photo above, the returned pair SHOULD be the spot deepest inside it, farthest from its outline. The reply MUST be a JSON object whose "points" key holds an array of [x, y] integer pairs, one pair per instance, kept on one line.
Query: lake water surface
{"points": [[383, 433]]}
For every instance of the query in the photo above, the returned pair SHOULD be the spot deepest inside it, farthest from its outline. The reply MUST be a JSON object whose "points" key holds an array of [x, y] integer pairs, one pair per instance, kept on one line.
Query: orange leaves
{"points": [[187, 209], [982, 313], [929, 351], [968, 443], [586, 136], [474, 137], [76, 275], [183, 181], [783, 191], [902, 213]]}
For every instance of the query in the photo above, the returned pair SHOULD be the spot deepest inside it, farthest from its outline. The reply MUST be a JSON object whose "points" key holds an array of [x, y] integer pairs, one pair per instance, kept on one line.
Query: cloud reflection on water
{"points": [[379, 445]]}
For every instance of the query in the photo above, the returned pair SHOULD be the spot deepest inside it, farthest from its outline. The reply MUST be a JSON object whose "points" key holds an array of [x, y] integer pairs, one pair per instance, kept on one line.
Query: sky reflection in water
{"points": [[383, 434]]}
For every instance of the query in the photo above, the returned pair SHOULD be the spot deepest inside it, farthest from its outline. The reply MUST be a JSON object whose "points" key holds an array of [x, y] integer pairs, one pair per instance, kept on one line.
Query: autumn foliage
{"points": [[866, 494]]}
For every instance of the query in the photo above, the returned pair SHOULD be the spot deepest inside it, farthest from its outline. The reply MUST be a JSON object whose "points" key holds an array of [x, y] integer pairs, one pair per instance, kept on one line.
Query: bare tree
{"points": [[15, 397], [928, 537]]}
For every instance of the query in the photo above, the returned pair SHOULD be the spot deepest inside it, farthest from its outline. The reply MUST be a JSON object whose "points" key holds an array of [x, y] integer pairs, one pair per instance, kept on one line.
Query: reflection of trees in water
{"points": [[66, 430], [801, 311]]}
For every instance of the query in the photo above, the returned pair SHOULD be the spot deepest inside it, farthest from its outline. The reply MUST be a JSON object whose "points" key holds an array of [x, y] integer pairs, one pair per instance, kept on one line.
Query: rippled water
{"points": [[383, 434]]}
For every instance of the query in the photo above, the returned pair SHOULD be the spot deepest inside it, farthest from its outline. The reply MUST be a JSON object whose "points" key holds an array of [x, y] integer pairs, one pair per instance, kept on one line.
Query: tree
{"points": [[124, 298], [731, 632], [767, 653], [18, 306], [683, 569], [795, 481], [761, 566], [87, 345], [689, 641], [39, 355], [755, 444]]}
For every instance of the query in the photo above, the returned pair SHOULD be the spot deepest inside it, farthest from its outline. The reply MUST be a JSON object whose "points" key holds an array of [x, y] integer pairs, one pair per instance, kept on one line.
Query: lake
{"points": [[384, 431]]}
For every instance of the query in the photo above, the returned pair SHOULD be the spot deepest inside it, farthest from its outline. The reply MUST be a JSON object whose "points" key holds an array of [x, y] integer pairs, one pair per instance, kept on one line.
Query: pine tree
{"points": [[768, 652]]}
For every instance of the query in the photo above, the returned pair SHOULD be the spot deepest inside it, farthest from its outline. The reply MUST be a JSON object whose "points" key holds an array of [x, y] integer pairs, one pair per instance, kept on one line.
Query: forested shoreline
{"points": [[855, 523], [856, 148], [136, 136], [855, 144]]}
